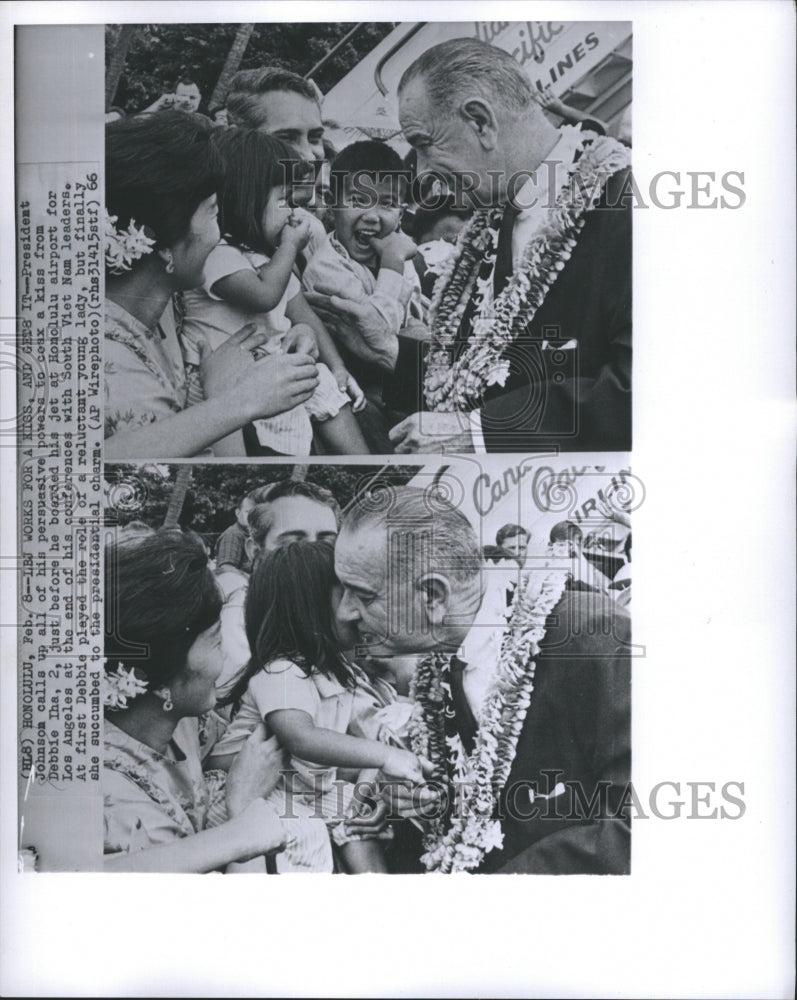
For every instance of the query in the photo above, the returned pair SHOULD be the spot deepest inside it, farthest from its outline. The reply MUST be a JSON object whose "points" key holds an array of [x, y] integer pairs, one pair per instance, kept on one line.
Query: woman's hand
{"points": [[254, 772], [260, 830], [221, 370], [276, 383]]}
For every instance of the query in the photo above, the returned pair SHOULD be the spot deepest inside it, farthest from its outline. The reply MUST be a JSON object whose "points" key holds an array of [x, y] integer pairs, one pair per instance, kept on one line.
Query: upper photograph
{"points": [[348, 239]]}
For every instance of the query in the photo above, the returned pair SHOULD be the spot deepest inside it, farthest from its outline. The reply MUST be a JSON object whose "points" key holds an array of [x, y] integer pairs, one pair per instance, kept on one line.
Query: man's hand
{"points": [[433, 432], [410, 800], [357, 326], [611, 512], [404, 764], [166, 102]]}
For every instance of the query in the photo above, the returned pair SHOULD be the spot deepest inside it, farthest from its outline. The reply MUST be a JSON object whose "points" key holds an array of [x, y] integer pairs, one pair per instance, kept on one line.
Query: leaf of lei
{"points": [[459, 841], [459, 383]]}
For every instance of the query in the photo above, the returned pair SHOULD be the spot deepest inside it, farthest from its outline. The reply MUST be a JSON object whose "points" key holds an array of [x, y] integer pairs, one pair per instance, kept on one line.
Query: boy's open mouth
{"points": [[363, 237]]}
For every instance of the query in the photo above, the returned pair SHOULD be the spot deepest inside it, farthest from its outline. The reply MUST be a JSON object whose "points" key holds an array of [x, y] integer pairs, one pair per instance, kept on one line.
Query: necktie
{"points": [[503, 257], [466, 721]]}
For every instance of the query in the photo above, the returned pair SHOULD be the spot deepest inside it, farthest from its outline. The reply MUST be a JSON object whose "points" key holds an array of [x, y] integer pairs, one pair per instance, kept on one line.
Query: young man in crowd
{"points": [[280, 103], [231, 551], [278, 514], [514, 538]]}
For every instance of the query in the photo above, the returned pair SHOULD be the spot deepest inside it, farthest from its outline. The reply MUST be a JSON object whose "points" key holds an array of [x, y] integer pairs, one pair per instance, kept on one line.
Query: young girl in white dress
{"points": [[249, 278], [312, 699]]}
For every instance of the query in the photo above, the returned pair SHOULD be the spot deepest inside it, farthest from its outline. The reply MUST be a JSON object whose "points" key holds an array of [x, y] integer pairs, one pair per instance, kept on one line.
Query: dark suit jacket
{"points": [[576, 400], [577, 733]]}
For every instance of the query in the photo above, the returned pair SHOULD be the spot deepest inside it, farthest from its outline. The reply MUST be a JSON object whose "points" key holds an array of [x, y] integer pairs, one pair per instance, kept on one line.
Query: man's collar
{"points": [[535, 192]]}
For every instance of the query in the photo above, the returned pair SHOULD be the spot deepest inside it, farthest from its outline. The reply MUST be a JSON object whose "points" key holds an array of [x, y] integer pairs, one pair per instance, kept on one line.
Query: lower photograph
{"points": [[384, 668]]}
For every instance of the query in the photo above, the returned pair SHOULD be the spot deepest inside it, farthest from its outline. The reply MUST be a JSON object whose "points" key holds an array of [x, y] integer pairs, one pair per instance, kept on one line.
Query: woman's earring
{"points": [[169, 263], [166, 694]]}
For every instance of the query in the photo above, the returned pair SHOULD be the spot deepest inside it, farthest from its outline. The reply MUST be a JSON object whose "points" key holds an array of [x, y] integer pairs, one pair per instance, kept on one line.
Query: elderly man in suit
{"points": [[531, 748], [532, 333]]}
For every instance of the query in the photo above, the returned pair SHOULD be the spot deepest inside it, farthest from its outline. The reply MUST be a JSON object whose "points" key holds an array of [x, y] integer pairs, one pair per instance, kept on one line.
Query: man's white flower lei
{"points": [[460, 386], [436, 253], [473, 831], [123, 246], [120, 685]]}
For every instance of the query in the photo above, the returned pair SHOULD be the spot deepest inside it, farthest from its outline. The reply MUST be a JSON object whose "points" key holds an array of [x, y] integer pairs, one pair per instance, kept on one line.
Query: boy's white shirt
{"points": [[396, 298]]}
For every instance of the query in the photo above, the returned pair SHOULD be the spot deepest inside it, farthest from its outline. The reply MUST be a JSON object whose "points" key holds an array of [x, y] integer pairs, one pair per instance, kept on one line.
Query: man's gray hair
{"points": [[247, 85], [424, 532], [461, 65]]}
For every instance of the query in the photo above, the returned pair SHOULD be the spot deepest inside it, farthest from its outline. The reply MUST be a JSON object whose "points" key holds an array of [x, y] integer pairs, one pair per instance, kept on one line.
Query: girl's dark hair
{"points": [[288, 614], [254, 164], [159, 596], [158, 168]]}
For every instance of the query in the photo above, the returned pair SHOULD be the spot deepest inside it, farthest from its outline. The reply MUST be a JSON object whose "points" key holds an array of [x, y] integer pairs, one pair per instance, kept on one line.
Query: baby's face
{"points": [[368, 209]]}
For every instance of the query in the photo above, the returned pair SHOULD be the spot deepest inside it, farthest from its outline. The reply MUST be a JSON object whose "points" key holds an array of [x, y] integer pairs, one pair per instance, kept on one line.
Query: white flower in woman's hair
{"points": [[123, 246], [121, 685], [435, 254]]}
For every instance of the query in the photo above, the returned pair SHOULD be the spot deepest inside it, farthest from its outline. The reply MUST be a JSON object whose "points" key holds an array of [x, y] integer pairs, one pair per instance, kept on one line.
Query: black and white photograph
{"points": [[433, 253], [403, 670], [343, 532]]}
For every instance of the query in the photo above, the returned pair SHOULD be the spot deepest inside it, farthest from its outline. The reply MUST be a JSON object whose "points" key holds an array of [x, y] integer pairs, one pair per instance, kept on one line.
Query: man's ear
{"points": [[251, 548], [436, 594], [481, 118]]}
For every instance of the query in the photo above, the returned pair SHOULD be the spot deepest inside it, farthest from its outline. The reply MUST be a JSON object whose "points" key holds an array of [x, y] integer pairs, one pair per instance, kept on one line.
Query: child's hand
{"points": [[404, 765], [548, 100], [394, 250], [301, 339], [348, 384], [296, 232]]}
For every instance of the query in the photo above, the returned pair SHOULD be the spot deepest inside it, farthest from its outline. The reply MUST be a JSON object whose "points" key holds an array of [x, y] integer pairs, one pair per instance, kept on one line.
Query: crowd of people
{"points": [[274, 713], [267, 294], [374, 690]]}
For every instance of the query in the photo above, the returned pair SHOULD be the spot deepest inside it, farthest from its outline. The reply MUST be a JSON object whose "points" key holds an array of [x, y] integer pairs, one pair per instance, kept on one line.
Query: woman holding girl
{"points": [[161, 812], [162, 175], [249, 278]]}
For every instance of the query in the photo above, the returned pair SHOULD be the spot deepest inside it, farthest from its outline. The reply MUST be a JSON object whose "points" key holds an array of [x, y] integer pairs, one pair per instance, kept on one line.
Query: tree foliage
{"points": [[160, 54], [143, 492]]}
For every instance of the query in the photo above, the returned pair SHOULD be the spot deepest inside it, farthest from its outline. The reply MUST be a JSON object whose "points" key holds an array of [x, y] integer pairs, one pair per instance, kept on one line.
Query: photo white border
{"points": [[708, 910]]}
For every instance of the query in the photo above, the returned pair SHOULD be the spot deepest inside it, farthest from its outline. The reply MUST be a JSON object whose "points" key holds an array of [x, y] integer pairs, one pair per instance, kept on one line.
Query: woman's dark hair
{"points": [[158, 168], [159, 596], [254, 164], [288, 614]]}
